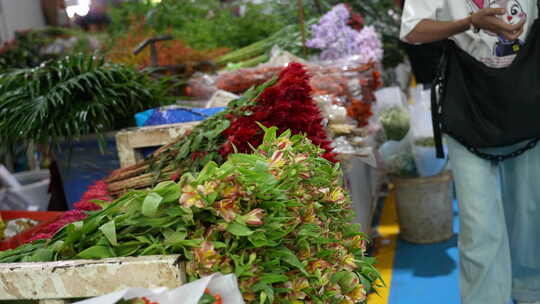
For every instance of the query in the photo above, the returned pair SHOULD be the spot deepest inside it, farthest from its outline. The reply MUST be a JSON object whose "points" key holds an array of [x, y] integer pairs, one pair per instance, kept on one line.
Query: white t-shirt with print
{"points": [[487, 47]]}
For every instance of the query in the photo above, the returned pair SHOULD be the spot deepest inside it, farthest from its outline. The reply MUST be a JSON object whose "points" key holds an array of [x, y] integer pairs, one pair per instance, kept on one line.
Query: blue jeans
{"points": [[499, 239]]}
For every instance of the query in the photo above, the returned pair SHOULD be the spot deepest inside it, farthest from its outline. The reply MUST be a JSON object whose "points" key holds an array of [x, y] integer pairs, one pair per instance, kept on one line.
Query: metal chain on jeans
{"points": [[501, 157]]}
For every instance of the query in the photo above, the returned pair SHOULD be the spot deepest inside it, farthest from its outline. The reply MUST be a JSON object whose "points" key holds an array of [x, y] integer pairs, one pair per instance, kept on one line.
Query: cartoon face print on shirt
{"points": [[514, 14]]}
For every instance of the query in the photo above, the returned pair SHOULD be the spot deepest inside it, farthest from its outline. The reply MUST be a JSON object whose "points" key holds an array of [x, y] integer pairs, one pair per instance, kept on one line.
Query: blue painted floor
{"points": [[426, 274]]}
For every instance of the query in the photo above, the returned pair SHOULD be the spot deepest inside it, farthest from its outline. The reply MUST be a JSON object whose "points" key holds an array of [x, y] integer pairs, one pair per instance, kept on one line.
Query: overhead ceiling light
{"points": [[81, 8]]}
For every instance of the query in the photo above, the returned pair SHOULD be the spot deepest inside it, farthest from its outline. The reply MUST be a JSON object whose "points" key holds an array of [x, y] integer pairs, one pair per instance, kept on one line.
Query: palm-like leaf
{"points": [[71, 97]]}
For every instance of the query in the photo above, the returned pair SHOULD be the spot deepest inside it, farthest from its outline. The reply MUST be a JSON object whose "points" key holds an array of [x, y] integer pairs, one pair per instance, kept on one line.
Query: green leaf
{"points": [[239, 229], [310, 230], [95, 252], [41, 255], [207, 172], [175, 237], [290, 258], [127, 249], [151, 204], [169, 190], [74, 232], [109, 231], [259, 239], [272, 278]]}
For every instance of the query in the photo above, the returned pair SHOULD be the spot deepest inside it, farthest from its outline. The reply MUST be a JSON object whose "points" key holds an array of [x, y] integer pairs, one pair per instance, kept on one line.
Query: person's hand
{"points": [[486, 19]]}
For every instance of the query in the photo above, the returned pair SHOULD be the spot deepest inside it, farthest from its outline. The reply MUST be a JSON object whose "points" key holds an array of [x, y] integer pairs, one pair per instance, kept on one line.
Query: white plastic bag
{"points": [[225, 286], [425, 158], [420, 110], [398, 158], [392, 113]]}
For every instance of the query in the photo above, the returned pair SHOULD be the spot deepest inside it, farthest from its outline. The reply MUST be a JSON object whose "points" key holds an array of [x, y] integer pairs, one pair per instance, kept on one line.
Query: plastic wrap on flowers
{"points": [[213, 289], [348, 82]]}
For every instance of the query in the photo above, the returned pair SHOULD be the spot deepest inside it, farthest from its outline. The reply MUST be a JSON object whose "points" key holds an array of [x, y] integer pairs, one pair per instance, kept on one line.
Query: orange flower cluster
{"points": [[170, 53]]}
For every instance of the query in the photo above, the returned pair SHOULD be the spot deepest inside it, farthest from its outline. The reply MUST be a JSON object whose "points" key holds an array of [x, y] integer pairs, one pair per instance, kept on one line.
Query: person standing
{"points": [[499, 201]]}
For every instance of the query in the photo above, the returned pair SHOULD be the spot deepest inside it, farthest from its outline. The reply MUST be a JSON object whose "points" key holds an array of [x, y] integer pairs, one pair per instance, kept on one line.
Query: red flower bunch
{"points": [[97, 191], [356, 21], [66, 218], [288, 106], [369, 86], [360, 111]]}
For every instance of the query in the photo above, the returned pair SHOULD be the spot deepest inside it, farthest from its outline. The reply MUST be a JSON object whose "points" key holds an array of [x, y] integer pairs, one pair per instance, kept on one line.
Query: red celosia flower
{"points": [[288, 106], [86, 206], [97, 191]]}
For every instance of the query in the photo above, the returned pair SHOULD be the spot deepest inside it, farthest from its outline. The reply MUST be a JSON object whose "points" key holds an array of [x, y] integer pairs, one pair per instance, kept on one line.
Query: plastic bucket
{"points": [[424, 207]]}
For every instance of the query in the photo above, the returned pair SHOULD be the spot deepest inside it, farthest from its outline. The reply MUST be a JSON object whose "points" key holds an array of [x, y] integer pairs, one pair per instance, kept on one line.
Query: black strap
{"points": [[437, 95], [437, 91]]}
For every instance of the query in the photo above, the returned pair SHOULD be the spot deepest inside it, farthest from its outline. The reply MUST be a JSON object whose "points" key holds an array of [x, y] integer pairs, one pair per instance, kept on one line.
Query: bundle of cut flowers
{"points": [[279, 219], [284, 102], [337, 39], [338, 34]]}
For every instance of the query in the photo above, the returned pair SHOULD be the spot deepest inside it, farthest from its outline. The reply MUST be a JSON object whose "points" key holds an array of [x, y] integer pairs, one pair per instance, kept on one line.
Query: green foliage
{"points": [[205, 140], [26, 49], [279, 219], [202, 24], [71, 97]]}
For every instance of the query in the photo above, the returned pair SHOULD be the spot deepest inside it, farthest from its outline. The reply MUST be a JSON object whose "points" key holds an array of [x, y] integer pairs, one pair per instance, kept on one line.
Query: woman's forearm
{"points": [[429, 30]]}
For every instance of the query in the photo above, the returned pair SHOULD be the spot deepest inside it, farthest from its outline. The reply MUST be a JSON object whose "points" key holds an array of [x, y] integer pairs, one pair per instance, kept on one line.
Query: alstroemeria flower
{"points": [[206, 255], [349, 262], [336, 196], [304, 175], [340, 250], [309, 216], [207, 188], [358, 242], [226, 209], [318, 264], [284, 143], [300, 158], [277, 161], [254, 217], [221, 226], [231, 191], [358, 294], [296, 286], [190, 197]]}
